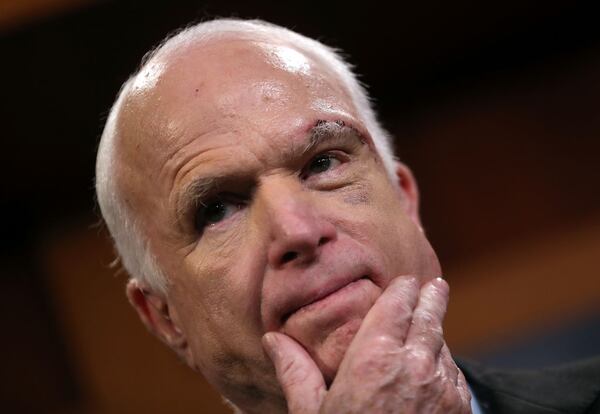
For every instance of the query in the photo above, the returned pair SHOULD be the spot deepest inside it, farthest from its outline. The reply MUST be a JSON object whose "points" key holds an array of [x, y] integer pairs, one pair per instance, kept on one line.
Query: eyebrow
{"points": [[197, 191], [324, 131], [201, 188]]}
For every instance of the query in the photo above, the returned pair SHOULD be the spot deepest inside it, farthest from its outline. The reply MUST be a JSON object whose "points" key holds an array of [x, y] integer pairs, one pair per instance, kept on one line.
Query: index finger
{"points": [[426, 329], [391, 314]]}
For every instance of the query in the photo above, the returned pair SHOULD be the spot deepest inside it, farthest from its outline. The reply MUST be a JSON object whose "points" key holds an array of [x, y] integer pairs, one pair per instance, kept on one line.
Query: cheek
{"points": [[375, 215], [358, 195], [226, 288], [216, 298], [223, 324], [371, 205]]}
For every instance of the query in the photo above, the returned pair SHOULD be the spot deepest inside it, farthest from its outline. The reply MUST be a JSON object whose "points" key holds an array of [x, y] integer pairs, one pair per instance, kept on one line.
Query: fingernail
{"points": [[269, 342], [441, 284]]}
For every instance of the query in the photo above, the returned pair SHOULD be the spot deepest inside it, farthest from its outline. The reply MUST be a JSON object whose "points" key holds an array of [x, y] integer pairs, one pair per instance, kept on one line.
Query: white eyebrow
{"points": [[327, 130], [195, 192]]}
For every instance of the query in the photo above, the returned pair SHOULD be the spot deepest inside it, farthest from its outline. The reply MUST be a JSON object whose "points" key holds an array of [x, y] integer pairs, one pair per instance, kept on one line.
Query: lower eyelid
{"points": [[222, 223]]}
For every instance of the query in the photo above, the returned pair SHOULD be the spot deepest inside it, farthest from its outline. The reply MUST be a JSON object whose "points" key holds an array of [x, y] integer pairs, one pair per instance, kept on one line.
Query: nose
{"points": [[297, 227]]}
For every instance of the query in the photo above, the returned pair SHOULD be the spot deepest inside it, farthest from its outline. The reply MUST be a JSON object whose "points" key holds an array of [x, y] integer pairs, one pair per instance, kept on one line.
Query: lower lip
{"points": [[334, 297]]}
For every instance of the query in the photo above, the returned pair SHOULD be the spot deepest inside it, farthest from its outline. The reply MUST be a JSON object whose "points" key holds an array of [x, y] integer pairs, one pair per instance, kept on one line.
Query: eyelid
{"points": [[229, 198], [336, 154], [223, 196]]}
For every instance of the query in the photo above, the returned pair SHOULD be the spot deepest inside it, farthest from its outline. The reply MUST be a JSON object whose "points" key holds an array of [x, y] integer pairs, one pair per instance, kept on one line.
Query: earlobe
{"points": [[409, 191], [154, 312]]}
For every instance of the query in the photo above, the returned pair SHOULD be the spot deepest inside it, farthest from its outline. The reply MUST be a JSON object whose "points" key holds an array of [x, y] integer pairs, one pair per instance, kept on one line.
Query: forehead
{"points": [[226, 73], [227, 87], [227, 80]]}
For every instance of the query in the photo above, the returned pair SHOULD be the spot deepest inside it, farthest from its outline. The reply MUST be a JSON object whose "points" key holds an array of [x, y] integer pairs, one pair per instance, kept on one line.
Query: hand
{"points": [[397, 362]]}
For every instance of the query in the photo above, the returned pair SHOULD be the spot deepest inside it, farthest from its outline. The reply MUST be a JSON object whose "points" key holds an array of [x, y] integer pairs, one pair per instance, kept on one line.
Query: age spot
{"points": [[356, 198]]}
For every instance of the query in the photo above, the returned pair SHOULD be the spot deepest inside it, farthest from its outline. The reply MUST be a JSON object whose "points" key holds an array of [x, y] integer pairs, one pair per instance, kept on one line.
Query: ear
{"points": [[153, 310], [409, 191]]}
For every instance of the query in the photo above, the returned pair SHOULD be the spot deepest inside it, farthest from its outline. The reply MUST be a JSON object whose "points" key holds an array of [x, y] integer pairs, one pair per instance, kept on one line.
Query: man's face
{"points": [[266, 205]]}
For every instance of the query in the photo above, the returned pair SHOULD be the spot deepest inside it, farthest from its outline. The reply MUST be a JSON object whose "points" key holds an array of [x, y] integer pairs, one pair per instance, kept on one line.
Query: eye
{"points": [[214, 212], [320, 164]]}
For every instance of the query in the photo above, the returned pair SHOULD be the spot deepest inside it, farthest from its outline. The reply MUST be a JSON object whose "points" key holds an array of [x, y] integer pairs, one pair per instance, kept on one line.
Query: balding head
{"points": [[212, 50]]}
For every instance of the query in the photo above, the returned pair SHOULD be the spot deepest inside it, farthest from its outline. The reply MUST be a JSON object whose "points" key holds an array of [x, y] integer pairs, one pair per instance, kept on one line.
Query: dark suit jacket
{"points": [[568, 389]]}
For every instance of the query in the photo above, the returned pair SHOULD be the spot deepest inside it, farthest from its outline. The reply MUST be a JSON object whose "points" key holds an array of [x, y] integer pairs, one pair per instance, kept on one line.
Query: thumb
{"points": [[298, 375]]}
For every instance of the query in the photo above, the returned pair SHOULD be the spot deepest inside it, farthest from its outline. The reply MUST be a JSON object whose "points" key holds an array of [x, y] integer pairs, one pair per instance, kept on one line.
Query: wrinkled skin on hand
{"points": [[398, 361]]}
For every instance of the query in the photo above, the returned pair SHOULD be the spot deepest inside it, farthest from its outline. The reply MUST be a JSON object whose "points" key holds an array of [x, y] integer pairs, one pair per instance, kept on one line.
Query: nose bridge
{"points": [[295, 222], [288, 207]]}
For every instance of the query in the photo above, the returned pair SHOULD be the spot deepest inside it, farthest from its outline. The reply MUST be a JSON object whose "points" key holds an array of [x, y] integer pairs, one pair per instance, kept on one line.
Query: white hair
{"points": [[130, 241]]}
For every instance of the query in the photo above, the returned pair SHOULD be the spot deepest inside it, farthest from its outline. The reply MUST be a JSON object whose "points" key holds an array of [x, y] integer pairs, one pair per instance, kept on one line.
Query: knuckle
{"points": [[427, 320], [421, 366], [382, 344], [379, 356]]}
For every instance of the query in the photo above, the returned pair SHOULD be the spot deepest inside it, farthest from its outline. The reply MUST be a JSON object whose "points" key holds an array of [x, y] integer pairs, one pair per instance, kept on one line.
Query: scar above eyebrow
{"points": [[325, 130]]}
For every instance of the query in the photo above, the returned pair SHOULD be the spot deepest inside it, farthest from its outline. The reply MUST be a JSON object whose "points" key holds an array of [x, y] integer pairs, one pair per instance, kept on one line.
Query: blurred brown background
{"points": [[495, 105]]}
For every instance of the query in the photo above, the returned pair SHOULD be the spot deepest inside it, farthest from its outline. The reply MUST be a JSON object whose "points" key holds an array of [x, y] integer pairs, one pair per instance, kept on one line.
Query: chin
{"points": [[331, 352]]}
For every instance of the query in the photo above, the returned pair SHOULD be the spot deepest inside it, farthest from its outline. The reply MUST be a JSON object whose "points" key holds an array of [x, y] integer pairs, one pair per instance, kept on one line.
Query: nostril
{"points": [[288, 257], [323, 240]]}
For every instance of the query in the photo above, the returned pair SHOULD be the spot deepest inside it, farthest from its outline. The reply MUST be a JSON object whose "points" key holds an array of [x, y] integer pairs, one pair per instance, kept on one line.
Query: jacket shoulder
{"points": [[570, 389]]}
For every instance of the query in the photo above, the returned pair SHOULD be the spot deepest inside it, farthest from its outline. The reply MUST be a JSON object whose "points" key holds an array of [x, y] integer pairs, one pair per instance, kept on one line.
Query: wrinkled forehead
{"points": [[210, 80], [194, 87]]}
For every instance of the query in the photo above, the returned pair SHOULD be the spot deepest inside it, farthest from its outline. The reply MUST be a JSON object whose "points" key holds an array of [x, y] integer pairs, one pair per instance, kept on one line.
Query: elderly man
{"points": [[274, 242]]}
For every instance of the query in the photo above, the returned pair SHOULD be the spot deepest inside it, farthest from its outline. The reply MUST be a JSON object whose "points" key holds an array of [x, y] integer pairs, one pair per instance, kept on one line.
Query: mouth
{"points": [[321, 299]]}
